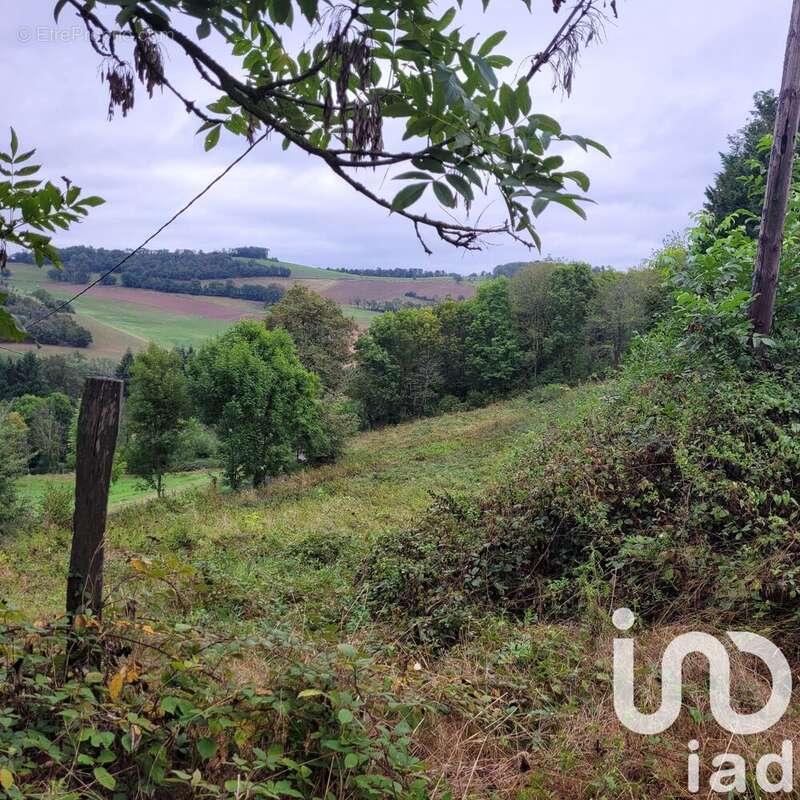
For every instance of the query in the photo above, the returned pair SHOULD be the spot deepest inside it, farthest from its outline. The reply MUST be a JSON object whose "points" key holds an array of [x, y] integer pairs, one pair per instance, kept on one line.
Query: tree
{"points": [[359, 64], [13, 461], [49, 432], [24, 376], [47, 421], [156, 410], [263, 403], [65, 374], [736, 185], [531, 306], [455, 317], [493, 355], [627, 304], [398, 366], [123, 370], [321, 333], [551, 304], [26, 210]]}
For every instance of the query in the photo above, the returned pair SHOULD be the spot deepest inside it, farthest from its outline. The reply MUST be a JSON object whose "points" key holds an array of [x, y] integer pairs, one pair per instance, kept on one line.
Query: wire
{"points": [[152, 236], [9, 350]]}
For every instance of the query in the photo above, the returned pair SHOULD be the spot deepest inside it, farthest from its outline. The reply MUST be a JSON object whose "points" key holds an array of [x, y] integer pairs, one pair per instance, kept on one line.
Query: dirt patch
{"points": [[347, 291], [181, 304]]}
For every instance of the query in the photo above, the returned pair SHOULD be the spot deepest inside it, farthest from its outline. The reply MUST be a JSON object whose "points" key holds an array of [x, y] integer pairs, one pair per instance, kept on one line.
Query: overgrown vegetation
{"points": [[680, 488], [423, 612]]}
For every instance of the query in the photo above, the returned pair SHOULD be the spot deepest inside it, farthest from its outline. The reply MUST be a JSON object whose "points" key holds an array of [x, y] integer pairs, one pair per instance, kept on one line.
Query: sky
{"points": [[671, 80]]}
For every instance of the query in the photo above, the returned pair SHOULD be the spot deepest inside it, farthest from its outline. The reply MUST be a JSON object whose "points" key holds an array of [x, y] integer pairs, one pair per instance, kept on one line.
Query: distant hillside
{"points": [[154, 299]]}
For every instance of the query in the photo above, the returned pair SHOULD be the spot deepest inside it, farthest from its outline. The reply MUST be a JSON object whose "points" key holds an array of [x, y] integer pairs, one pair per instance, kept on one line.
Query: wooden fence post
{"points": [[98, 425], [779, 181]]}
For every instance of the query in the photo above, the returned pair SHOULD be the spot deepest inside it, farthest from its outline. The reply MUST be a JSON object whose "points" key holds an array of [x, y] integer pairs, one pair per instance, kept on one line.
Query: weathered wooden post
{"points": [[98, 425], [779, 181]]}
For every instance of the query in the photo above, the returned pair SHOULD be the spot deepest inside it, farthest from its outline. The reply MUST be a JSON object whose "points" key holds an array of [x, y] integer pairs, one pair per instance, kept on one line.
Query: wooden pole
{"points": [[98, 425], [779, 181]]}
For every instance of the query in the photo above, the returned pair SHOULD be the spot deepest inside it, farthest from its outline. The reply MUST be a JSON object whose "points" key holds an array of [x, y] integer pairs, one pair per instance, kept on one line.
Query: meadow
{"points": [[257, 542], [125, 490], [518, 710], [120, 318]]}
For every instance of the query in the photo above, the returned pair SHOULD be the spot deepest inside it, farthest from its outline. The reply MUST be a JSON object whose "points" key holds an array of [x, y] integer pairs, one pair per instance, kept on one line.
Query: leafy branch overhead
{"points": [[29, 211], [366, 73]]}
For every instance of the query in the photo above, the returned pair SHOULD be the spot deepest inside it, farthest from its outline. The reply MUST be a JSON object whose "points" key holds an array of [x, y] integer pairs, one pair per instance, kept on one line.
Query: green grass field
{"points": [[149, 324], [322, 273], [361, 316], [128, 489]]}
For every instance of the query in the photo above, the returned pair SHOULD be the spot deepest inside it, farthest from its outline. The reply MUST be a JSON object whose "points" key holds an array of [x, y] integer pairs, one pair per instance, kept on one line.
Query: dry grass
{"points": [[507, 737]]}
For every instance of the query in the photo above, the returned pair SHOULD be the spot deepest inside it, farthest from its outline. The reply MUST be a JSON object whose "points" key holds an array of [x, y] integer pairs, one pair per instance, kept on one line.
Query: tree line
{"points": [[59, 329], [402, 272], [551, 322], [249, 291], [181, 265]]}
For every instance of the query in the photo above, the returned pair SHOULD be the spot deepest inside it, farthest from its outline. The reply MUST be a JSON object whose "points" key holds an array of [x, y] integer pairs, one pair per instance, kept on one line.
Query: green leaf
{"points": [[524, 97], [58, 9], [345, 716], [581, 178], [444, 195], [347, 650], [213, 138], [92, 201], [412, 176], [206, 748], [461, 186], [14, 142], [508, 102], [308, 9], [310, 693], [491, 42], [598, 146], [25, 171], [9, 329], [351, 761], [104, 778], [545, 123], [281, 10], [408, 195]]}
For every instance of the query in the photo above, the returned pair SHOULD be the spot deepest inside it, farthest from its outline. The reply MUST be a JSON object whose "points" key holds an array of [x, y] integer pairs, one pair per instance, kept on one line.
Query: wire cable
{"points": [[152, 236]]}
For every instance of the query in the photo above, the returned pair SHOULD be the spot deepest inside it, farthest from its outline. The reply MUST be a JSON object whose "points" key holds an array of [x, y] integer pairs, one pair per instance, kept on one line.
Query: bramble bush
{"points": [[678, 492], [123, 709]]}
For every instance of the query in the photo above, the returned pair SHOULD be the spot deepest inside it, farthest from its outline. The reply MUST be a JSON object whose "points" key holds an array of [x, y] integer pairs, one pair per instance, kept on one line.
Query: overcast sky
{"points": [[672, 79]]}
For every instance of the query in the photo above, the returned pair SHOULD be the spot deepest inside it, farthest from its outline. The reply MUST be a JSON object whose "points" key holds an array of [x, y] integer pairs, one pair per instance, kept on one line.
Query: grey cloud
{"points": [[670, 82]]}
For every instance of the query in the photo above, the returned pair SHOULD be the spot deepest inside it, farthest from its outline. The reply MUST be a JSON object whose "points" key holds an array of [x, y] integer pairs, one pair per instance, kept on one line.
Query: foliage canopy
{"points": [[362, 65]]}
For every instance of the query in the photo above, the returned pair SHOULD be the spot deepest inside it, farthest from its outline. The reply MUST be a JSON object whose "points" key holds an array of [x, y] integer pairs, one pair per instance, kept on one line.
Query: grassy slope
{"points": [[263, 547], [523, 711]]}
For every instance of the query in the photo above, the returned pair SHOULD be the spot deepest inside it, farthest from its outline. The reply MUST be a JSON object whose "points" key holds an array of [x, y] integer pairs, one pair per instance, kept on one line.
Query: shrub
{"points": [[123, 709], [57, 506]]}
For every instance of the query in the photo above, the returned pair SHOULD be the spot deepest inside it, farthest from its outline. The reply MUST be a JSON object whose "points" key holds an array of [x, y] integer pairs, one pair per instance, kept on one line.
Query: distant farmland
{"points": [[121, 318]]}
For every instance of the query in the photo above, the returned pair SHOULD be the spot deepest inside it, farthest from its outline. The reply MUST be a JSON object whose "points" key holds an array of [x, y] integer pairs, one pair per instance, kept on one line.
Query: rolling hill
{"points": [[122, 318]]}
